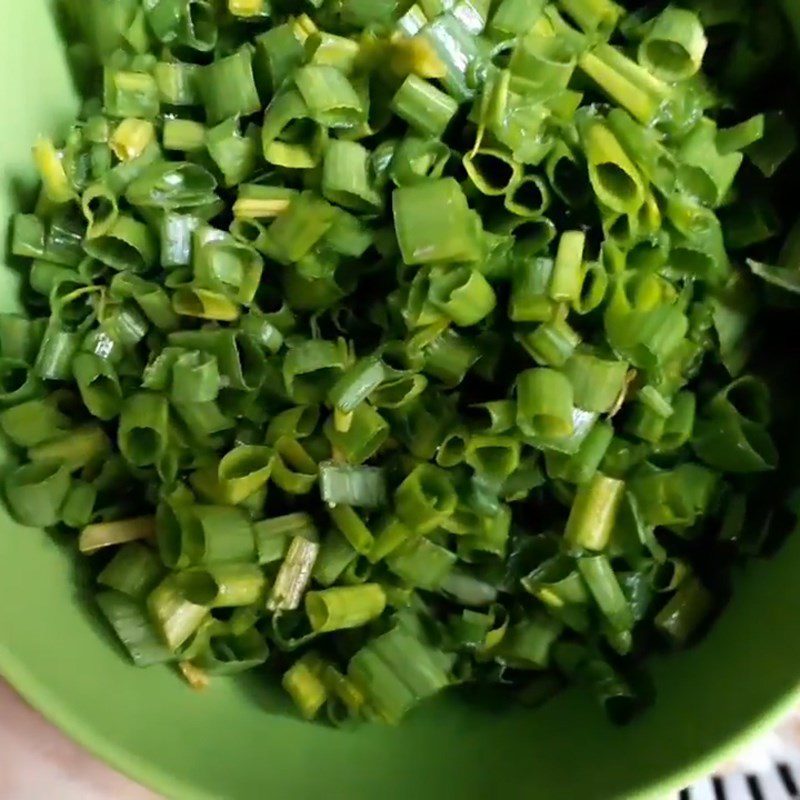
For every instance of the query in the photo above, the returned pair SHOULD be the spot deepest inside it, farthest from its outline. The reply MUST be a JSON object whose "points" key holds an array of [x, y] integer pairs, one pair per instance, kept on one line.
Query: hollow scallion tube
{"points": [[427, 109], [358, 486], [344, 607], [175, 618], [425, 499], [294, 575], [593, 513], [36, 492], [105, 534], [273, 535], [345, 177], [630, 85], [604, 586], [228, 88], [674, 45], [329, 96], [544, 403], [463, 294], [434, 223], [303, 683], [685, 612], [222, 585], [133, 628], [134, 570], [143, 428]]}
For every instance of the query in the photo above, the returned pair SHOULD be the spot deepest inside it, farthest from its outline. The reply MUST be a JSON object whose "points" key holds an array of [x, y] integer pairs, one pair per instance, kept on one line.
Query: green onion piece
{"points": [[775, 147], [703, 170], [600, 16], [529, 197], [527, 644], [492, 171], [330, 97], [235, 154], [424, 107], [344, 607], [293, 469], [425, 499], [49, 163], [685, 612], [19, 382], [105, 534], [228, 88], [98, 384], [177, 83], [296, 423], [594, 513], [674, 45], [632, 86], [463, 294], [605, 588], [299, 228], [566, 281], [734, 444], [451, 51], [272, 535], [345, 177], [615, 179], [33, 422], [514, 18], [143, 424], [494, 458], [294, 575], [243, 471], [551, 344], [303, 682], [566, 176], [172, 185], [581, 467], [391, 535], [278, 53], [174, 617], [135, 570], [133, 629], [363, 487], [530, 283], [231, 653], [285, 109], [82, 447], [222, 585], [101, 209], [396, 671], [416, 159], [127, 245], [262, 202], [28, 236], [36, 492], [434, 223], [676, 497], [356, 384], [544, 403], [352, 528], [335, 556], [421, 563]]}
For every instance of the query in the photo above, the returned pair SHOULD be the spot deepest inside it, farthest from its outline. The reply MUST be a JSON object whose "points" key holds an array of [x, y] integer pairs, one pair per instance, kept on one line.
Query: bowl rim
{"points": [[159, 780]]}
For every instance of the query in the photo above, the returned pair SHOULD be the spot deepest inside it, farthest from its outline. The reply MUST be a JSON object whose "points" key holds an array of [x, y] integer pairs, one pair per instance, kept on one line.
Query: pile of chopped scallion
{"points": [[403, 345]]}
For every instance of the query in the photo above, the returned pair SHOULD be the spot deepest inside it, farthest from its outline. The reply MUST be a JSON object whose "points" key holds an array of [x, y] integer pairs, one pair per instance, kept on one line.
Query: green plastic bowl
{"points": [[240, 740]]}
